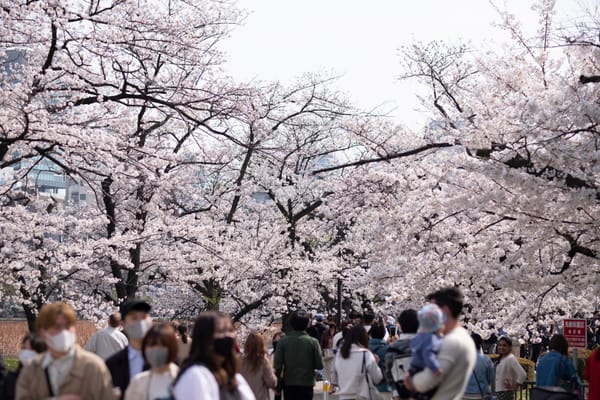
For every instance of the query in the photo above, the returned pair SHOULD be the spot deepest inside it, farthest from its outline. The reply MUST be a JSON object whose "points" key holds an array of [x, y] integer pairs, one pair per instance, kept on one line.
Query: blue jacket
{"points": [[555, 369], [425, 347], [483, 373]]}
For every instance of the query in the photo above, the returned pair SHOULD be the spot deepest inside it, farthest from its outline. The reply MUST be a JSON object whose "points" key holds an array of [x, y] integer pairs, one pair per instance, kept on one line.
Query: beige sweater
{"points": [[261, 380], [88, 378]]}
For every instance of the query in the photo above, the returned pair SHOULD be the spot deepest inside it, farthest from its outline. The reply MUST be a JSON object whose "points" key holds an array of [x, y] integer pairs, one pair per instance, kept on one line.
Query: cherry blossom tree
{"points": [[510, 212]]}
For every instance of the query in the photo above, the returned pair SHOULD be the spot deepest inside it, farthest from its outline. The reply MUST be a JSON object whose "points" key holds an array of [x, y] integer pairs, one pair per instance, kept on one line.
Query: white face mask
{"points": [[26, 355], [137, 329], [61, 342]]}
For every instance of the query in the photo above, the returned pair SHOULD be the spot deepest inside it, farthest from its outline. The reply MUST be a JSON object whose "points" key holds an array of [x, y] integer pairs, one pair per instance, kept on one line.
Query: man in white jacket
{"points": [[108, 341], [456, 356]]}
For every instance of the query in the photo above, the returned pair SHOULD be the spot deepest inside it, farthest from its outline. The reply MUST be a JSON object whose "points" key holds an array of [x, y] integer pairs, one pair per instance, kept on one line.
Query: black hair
{"points": [[450, 297], [559, 343], [377, 331], [182, 329], [36, 342], [300, 320], [368, 317], [356, 335], [477, 340], [202, 351], [409, 323]]}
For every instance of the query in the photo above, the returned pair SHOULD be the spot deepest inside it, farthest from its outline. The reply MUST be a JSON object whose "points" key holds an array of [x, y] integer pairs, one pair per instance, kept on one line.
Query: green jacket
{"points": [[298, 355]]}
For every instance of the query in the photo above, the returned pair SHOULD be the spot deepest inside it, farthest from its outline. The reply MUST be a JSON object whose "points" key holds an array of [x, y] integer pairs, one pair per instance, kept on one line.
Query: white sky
{"points": [[359, 40]]}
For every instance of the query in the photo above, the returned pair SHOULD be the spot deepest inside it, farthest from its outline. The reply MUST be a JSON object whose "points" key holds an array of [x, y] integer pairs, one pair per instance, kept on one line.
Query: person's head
{"points": [[477, 340], [182, 329], [254, 350], [136, 320], [299, 320], [332, 327], [213, 345], [355, 318], [56, 324], [114, 320], [409, 323], [159, 346], [559, 343], [319, 317], [357, 335], [450, 300], [368, 318], [504, 346], [31, 346], [377, 331], [431, 318]]}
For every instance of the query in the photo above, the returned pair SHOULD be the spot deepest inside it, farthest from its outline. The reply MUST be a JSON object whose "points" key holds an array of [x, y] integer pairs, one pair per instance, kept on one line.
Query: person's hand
{"points": [[511, 385], [408, 383], [117, 392], [377, 359]]}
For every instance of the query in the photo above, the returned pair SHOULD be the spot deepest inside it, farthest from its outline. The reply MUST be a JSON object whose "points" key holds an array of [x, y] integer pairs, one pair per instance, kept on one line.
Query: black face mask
{"points": [[224, 346]]}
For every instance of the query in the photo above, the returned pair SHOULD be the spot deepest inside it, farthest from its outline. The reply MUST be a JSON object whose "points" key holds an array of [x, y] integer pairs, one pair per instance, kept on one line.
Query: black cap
{"points": [[134, 305]]}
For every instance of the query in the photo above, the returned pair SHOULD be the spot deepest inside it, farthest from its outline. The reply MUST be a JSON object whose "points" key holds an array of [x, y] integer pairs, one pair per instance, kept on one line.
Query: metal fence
{"points": [[525, 392]]}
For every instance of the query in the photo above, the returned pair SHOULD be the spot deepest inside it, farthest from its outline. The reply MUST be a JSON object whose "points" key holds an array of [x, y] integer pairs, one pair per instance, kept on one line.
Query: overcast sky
{"points": [[359, 40]]}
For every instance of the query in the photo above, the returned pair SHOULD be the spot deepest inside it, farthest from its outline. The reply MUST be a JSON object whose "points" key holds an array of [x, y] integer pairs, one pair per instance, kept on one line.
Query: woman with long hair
{"points": [[509, 373], [159, 349], [256, 367], [184, 343], [348, 364], [211, 371]]}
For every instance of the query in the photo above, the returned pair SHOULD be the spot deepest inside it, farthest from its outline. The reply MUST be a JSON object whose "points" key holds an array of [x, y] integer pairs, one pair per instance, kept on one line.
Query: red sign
{"points": [[575, 332]]}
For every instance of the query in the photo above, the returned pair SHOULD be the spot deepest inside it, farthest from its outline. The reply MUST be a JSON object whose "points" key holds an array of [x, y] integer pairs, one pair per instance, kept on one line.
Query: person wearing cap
{"points": [[129, 362], [109, 340], [65, 370], [426, 344]]}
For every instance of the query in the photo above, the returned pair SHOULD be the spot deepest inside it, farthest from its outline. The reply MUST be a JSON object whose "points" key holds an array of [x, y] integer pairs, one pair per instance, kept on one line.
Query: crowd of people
{"points": [[424, 355]]}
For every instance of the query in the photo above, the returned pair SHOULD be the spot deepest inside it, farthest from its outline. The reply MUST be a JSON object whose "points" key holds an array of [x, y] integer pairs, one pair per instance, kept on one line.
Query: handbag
{"points": [[367, 390]]}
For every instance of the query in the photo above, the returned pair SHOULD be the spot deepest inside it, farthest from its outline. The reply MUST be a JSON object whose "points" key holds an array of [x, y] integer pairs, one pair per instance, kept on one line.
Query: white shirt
{"points": [[336, 338], [457, 358], [508, 373], [151, 385], [58, 368], [198, 382], [347, 373], [107, 342]]}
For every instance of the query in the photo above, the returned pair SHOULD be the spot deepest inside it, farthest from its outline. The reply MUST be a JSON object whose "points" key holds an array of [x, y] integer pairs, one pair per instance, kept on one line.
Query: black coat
{"points": [[118, 365]]}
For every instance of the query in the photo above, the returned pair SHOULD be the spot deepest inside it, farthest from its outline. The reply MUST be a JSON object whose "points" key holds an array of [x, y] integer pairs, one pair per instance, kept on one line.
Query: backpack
{"points": [[400, 366], [398, 369]]}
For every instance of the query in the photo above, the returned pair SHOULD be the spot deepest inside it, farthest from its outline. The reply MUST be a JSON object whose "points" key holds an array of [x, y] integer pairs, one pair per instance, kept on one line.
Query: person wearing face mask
{"points": [[159, 348], [211, 372], [31, 346], [65, 371], [127, 363]]}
